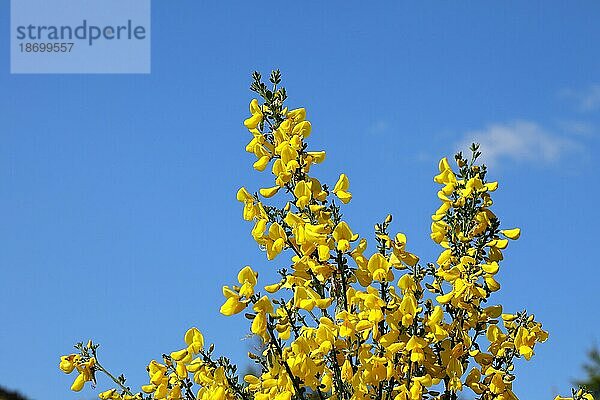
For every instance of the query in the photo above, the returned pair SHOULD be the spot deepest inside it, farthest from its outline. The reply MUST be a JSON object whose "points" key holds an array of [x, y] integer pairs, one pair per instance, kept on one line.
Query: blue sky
{"points": [[117, 192]]}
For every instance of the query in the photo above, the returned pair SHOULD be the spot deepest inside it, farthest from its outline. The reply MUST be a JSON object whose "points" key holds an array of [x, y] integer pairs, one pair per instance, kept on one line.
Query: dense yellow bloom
{"points": [[349, 319]]}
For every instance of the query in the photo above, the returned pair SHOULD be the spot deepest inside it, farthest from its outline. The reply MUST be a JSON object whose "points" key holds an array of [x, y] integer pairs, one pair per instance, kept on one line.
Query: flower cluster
{"points": [[349, 320], [85, 368]]}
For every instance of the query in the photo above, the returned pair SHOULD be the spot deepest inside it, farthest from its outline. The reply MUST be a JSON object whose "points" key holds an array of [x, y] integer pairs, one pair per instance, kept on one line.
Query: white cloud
{"points": [[587, 99], [519, 141], [578, 128]]}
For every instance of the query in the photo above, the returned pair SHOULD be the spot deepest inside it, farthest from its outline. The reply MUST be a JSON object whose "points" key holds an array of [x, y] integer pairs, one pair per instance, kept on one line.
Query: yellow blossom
{"points": [[341, 189]]}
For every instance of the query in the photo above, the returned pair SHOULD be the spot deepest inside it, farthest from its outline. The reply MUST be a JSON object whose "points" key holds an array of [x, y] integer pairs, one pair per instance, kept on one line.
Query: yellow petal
{"points": [[78, 383], [269, 192], [232, 306], [297, 115], [443, 164], [317, 156], [512, 234], [261, 163], [342, 184], [179, 355], [323, 251], [509, 317], [303, 129], [254, 107], [148, 388], [193, 335], [246, 274], [251, 379], [243, 195], [491, 268], [443, 299], [253, 121], [259, 324], [491, 186], [344, 196]]}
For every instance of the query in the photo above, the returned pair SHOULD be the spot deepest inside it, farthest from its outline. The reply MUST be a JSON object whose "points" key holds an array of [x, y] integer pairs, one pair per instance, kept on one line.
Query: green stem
{"points": [[100, 368]]}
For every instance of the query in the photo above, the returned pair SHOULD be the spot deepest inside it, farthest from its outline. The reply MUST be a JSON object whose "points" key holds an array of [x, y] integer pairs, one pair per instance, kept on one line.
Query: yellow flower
{"points": [[341, 189], [251, 208], [257, 115], [343, 236], [233, 304], [67, 363], [438, 231], [259, 325], [399, 255], [303, 194], [416, 345], [307, 299], [275, 241], [446, 176], [379, 267], [247, 278], [194, 339], [346, 329]]}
